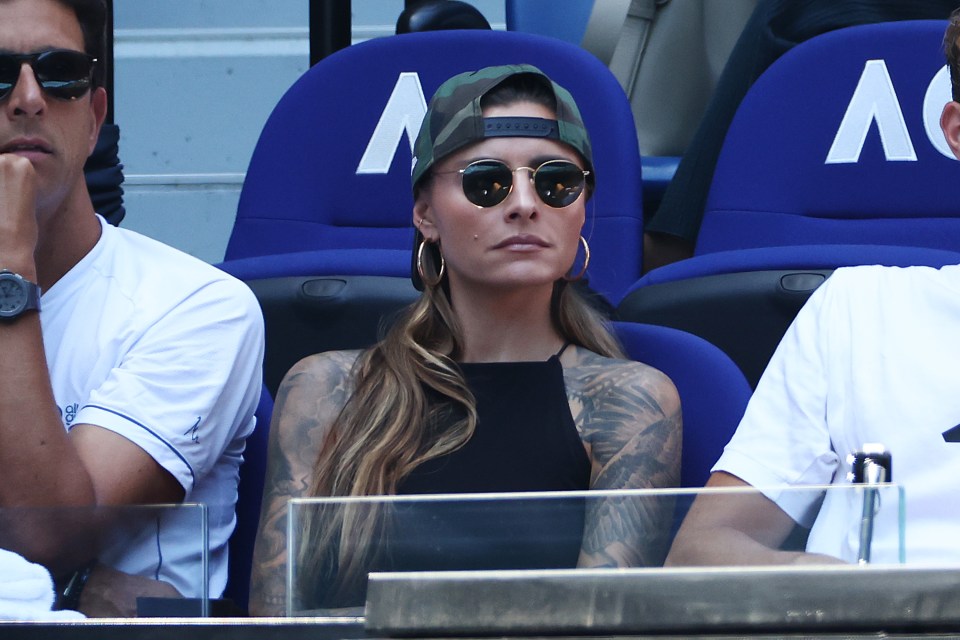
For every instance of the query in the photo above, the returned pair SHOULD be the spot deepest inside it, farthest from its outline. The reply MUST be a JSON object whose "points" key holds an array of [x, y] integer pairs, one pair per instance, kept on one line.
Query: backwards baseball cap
{"points": [[454, 119]]}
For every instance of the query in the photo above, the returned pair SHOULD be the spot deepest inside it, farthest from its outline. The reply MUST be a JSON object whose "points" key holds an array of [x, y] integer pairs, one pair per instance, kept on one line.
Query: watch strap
{"points": [[33, 296]]}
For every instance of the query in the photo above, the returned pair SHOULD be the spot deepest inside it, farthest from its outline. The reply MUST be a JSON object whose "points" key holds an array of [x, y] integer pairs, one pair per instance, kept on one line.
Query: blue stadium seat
{"points": [[834, 158], [838, 142], [329, 178], [713, 391], [249, 496]]}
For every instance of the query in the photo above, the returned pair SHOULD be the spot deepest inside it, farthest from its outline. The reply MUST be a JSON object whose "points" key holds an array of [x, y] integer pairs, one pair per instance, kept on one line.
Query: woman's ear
{"points": [[422, 220], [950, 124]]}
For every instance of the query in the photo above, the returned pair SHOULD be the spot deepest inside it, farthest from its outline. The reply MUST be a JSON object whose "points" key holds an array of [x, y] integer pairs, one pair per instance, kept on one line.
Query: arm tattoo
{"points": [[309, 399], [628, 414]]}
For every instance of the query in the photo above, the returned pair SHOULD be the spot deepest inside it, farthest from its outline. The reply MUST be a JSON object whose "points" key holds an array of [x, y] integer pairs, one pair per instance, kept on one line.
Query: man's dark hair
{"points": [[92, 16], [952, 50]]}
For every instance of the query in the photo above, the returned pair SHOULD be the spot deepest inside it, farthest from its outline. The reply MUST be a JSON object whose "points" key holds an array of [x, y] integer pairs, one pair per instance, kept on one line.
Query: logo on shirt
{"points": [[194, 431], [68, 413]]}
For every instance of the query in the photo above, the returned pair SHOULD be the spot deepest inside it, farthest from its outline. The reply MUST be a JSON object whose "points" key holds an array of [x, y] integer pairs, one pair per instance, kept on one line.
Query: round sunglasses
{"points": [[61, 73], [487, 183]]}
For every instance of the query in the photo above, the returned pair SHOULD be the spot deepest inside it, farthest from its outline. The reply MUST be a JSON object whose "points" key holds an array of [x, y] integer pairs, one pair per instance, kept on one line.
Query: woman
{"points": [[500, 365]]}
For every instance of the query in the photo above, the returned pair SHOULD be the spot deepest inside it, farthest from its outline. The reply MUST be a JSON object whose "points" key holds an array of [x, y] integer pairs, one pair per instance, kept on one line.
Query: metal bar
{"points": [[330, 28]]}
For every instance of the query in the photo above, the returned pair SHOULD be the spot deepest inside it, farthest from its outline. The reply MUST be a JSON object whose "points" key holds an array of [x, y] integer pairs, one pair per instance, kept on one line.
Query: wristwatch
{"points": [[17, 295]]}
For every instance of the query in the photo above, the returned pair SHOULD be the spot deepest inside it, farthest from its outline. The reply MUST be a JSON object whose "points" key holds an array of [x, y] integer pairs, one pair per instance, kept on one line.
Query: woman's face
{"points": [[519, 242]]}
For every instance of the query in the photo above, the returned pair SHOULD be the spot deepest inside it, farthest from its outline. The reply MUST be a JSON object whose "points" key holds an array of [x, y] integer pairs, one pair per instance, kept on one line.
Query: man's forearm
{"points": [[110, 593], [38, 464], [725, 546], [42, 479]]}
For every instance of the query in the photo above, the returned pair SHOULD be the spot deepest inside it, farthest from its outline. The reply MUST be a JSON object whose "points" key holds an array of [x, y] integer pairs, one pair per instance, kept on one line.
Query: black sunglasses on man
{"points": [[63, 74]]}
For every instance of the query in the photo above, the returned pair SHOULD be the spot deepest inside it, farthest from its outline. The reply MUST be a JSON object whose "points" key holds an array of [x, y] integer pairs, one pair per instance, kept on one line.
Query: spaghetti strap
{"points": [[562, 349]]}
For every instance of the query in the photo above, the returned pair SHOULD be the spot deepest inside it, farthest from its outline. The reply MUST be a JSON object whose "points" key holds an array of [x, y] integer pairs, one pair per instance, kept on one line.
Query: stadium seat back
{"points": [[838, 142]]}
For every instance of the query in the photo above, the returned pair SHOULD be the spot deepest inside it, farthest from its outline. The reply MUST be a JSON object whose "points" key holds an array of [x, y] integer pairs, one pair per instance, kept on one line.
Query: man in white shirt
{"points": [[871, 358], [133, 378]]}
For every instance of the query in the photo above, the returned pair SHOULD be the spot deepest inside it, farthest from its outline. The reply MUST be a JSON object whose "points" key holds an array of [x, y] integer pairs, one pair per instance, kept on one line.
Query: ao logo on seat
{"points": [[875, 99]]}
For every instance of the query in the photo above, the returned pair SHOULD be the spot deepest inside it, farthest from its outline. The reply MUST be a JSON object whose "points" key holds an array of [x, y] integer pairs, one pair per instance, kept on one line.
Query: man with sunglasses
{"points": [[130, 370]]}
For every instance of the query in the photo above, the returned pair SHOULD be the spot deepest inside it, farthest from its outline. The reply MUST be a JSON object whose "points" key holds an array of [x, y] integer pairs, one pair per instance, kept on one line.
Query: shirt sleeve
{"points": [[186, 390], [783, 439]]}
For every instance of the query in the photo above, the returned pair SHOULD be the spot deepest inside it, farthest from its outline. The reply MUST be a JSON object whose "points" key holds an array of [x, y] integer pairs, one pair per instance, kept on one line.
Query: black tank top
{"points": [[525, 440]]}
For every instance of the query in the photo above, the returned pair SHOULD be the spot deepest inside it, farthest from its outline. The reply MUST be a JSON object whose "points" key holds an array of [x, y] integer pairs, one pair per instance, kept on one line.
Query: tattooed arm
{"points": [[628, 415], [309, 399]]}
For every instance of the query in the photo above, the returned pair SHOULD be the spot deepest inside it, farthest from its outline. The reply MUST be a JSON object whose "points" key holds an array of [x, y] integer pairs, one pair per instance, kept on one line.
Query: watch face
{"points": [[13, 295]]}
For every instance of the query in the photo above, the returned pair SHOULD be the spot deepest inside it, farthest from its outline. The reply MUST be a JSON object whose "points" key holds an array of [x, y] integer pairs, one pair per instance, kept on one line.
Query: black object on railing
{"points": [[433, 15], [108, 62], [103, 170]]}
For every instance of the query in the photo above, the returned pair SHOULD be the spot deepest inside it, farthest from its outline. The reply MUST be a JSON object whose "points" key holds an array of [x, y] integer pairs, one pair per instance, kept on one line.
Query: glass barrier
{"points": [[147, 561], [335, 544]]}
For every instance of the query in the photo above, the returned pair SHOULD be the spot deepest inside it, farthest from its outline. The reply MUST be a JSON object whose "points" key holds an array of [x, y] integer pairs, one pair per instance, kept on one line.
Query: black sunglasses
{"points": [[61, 73], [487, 183]]}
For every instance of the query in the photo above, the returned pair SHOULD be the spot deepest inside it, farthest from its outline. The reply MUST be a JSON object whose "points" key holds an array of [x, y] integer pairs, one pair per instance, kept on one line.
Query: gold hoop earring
{"points": [[586, 262], [423, 277]]}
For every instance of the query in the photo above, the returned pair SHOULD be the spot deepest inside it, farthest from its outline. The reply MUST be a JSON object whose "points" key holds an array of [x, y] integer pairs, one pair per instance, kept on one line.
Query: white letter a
{"points": [[404, 112], [873, 99]]}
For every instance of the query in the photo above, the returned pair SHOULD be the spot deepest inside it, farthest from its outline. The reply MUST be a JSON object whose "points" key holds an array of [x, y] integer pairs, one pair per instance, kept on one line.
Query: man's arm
{"points": [[133, 478], [40, 465], [64, 536], [30, 429], [629, 414], [739, 528]]}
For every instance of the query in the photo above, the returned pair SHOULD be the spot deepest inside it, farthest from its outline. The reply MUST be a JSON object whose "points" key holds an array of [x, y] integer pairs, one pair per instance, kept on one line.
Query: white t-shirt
{"points": [[165, 350], [873, 357]]}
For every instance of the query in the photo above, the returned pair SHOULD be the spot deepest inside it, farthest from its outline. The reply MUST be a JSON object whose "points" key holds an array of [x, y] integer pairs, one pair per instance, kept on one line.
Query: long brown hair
{"points": [[410, 404]]}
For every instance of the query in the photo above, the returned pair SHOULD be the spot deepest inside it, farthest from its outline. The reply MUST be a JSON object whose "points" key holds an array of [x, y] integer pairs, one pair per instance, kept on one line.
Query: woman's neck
{"points": [[510, 327]]}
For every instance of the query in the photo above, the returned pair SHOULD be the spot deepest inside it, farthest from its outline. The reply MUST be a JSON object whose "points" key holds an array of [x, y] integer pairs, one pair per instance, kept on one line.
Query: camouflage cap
{"points": [[454, 119]]}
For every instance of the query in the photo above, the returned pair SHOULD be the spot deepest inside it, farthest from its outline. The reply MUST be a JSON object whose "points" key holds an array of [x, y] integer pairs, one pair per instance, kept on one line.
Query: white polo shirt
{"points": [[165, 350], [873, 357]]}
